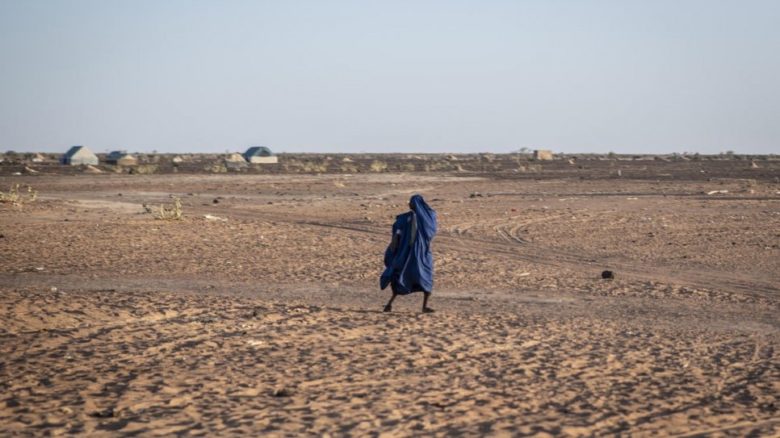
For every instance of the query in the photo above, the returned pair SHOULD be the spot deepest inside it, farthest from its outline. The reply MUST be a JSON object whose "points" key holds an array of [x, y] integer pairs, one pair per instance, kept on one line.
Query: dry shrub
{"points": [[348, 167], [408, 167], [169, 213], [532, 168], [144, 169], [314, 167], [297, 166], [292, 165], [217, 167], [378, 166], [18, 197], [438, 166]]}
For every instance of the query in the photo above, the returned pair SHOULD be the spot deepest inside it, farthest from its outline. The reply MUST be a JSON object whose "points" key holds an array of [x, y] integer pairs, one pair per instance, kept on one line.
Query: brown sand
{"points": [[270, 322]]}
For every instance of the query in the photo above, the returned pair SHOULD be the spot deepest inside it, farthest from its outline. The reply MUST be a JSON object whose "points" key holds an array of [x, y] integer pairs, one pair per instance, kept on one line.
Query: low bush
{"points": [[378, 166], [17, 196], [168, 213]]}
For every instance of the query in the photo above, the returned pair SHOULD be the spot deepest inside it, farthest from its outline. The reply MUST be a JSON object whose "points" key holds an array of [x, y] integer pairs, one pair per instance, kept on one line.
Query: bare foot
{"points": [[427, 310], [388, 308]]}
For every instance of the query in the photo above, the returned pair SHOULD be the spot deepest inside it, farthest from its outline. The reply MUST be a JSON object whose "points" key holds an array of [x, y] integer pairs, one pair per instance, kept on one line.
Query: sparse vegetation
{"points": [[168, 213], [530, 168], [439, 166], [217, 167], [305, 166], [314, 167], [349, 167], [378, 166], [144, 169], [17, 196], [359, 163]]}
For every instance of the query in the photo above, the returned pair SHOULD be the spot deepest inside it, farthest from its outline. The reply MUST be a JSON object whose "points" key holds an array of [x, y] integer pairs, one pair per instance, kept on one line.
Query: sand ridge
{"points": [[164, 363]]}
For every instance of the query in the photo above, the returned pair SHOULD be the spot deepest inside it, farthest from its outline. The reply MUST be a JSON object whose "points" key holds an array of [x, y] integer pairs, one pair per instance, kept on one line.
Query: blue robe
{"points": [[408, 258]]}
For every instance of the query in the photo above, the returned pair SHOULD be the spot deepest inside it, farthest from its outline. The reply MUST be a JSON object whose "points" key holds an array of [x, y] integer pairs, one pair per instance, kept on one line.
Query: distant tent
{"points": [[543, 155], [114, 155], [260, 154], [77, 155], [121, 158]]}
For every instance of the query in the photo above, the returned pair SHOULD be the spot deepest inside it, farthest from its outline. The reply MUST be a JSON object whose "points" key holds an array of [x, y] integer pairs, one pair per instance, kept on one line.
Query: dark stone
{"points": [[114, 426], [105, 413], [607, 275], [281, 392]]}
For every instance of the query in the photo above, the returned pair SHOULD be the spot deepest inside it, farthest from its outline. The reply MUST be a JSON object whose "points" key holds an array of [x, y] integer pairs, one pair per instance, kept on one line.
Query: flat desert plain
{"points": [[259, 312]]}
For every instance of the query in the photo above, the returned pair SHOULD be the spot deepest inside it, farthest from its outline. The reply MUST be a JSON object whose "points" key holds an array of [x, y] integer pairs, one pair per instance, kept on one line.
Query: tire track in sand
{"points": [[510, 246]]}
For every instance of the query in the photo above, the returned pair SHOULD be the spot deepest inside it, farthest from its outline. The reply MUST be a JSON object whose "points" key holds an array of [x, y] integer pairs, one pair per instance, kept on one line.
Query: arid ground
{"points": [[259, 312]]}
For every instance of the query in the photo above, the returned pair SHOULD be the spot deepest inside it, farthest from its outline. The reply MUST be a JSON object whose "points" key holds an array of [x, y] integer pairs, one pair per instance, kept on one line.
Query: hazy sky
{"points": [[386, 76]]}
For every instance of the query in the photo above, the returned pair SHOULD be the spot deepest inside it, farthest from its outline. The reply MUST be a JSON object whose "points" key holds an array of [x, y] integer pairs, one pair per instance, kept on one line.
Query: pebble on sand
{"points": [[105, 413], [281, 391]]}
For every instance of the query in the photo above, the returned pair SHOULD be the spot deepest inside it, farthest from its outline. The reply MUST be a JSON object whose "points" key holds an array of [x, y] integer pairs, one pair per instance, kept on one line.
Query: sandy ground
{"points": [[269, 321]]}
